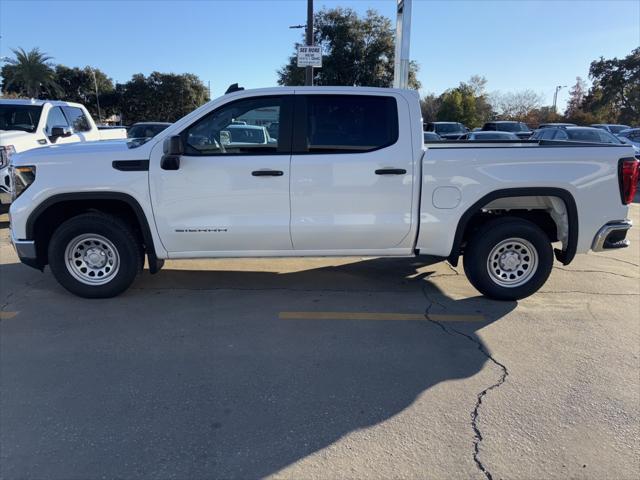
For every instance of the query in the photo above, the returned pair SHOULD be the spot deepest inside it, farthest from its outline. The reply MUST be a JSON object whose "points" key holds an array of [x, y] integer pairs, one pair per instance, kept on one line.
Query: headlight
{"points": [[5, 154], [21, 178]]}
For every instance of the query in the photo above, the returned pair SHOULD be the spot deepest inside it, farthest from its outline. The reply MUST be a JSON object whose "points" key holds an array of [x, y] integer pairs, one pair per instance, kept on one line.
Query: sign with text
{"points": [[309, 56]]}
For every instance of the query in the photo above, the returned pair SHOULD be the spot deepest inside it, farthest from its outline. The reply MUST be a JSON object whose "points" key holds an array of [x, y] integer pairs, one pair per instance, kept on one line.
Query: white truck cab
{"points": [[347, 173], [28, 124]]}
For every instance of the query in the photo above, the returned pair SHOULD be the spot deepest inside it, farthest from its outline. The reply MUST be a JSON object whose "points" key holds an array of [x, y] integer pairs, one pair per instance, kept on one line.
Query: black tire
{"points": [[490, 235], [114, 230]]}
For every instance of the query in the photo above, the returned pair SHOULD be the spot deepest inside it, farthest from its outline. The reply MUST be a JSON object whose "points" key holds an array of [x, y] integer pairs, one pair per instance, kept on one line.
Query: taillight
{"points": [[628, 178]]}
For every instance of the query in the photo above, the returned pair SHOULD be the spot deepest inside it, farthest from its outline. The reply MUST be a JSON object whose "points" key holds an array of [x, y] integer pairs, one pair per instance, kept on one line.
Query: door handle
{"points": [[267, 173], [391, 171]]}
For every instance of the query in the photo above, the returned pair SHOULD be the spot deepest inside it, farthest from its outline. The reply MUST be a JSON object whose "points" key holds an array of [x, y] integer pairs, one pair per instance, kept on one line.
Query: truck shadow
{"points": [[192, 374]]}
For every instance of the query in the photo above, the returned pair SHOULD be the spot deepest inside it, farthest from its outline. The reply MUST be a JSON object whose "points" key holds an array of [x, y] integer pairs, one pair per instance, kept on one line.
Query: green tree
{"points": [[29, 74], [162, 97], [615, 93], [467, 103], [575, 112], [356, 51], [429, 106], [77, 85]]}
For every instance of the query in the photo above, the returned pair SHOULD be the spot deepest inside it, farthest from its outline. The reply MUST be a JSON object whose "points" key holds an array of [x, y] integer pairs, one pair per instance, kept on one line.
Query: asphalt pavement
{"points": [[322, 369]]}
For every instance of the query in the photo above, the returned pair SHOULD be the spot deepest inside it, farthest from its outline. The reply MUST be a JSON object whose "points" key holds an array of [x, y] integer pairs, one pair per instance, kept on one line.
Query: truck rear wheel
{"points": [[95, 255], [508, 259]]}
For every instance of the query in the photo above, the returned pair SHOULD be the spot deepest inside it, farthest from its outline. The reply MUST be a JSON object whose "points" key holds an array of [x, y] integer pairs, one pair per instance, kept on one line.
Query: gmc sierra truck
{"points": [[27, 124], [346, 173]]}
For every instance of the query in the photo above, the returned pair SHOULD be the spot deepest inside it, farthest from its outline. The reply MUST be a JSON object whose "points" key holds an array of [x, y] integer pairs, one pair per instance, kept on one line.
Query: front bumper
{"points": [[5, 186], [611, 236], [26, 250], [5, 196]]}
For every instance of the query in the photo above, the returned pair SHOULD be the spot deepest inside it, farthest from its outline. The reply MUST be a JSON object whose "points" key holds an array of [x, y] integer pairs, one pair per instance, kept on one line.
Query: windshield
{"points": [[618, 128], [592, 135], [20, 117], [448, 128]]}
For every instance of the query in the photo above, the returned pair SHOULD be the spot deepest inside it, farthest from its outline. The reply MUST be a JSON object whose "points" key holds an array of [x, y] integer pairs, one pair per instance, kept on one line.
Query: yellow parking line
{"points": [[377, 316], [7, 315]]}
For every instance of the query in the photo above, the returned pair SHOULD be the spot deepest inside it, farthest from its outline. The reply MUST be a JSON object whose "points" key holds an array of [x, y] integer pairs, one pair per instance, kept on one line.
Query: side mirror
{"points": [[60, 131], [172, 149]]}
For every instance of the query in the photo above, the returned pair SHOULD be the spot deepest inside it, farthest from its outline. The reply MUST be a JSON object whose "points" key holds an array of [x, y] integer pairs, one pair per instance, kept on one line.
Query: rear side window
{"points": [[77, 119], [350, 123]]}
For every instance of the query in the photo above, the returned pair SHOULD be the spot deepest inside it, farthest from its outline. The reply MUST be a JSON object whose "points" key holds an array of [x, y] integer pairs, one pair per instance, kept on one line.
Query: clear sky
{"points": [[515, 44]]}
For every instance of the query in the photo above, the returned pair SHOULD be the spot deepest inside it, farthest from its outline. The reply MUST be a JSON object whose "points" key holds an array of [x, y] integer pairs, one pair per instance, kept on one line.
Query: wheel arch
{"points": [[564, 256], [70, 204]]}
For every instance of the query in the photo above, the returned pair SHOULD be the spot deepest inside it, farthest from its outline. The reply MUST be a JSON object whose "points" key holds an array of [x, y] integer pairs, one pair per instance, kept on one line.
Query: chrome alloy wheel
{"points": [[92, 259], [512, 262]]}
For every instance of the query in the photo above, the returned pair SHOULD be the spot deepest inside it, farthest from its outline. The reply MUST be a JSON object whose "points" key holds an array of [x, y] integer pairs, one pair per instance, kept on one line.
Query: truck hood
{"points": [[19, 139], [106, 150]]}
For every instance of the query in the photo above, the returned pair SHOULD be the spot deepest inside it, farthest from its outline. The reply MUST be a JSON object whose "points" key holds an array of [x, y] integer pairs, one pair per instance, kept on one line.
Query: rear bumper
{"points": [[611, 236]]}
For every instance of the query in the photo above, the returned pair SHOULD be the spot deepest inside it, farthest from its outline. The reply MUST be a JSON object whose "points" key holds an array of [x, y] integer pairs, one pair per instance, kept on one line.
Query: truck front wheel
{"points": [[95, 255], [508, 259]]}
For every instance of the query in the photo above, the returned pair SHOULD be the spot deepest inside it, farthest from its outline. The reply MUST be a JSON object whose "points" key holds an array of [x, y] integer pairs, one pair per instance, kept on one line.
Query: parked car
{"points": [[611, 127], [235, 135], [353, 179], [520, 129], [431, 137], [631, 134], [577, 134], [487, 136], [146, 129], [447, 130], [636, 146], [27, 124]]}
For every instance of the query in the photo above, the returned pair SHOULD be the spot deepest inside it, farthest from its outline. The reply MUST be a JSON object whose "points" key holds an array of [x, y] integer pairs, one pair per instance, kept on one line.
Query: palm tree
{"points": [[32, 73]]}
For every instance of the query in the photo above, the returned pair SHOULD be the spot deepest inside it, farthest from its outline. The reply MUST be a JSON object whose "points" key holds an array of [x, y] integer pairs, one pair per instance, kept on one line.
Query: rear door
{"points": [[351, 172]]}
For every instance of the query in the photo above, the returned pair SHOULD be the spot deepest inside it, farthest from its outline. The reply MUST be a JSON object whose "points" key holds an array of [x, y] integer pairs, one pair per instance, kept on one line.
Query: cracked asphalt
{"points": [[193, 373]]}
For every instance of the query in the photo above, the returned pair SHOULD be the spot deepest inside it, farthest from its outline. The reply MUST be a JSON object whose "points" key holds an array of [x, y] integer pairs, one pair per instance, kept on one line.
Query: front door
{"points": [[231, 191]]}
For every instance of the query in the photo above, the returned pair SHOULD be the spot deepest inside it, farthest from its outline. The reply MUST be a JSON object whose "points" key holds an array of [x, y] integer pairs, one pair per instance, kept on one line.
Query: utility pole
{"points": [[555, 96], [308, 72], [95, 84], [403, 41]]}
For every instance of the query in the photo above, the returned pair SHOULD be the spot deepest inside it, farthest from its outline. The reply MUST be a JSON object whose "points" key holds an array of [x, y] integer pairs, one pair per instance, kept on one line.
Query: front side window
{"points": [[350, 123], [56, 119], [250, 126], [77, 119]]}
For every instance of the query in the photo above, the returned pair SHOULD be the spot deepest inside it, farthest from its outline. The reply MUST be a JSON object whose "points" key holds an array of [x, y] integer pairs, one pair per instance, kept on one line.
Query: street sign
{"points": [[309, 56]]}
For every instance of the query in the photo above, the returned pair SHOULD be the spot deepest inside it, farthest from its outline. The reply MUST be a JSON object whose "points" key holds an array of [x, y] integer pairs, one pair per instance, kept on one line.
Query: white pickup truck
{"points": [[27, 124], [347, 174]]}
